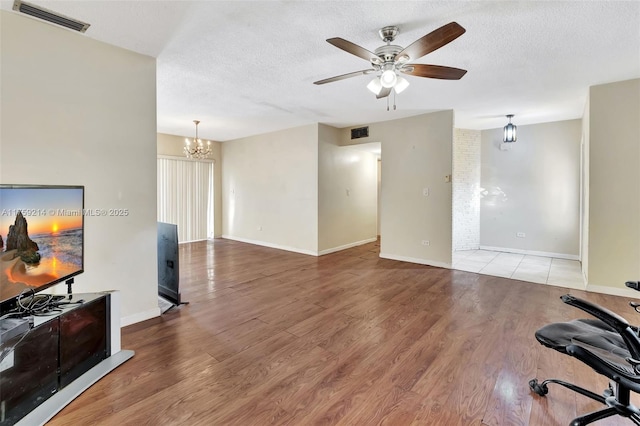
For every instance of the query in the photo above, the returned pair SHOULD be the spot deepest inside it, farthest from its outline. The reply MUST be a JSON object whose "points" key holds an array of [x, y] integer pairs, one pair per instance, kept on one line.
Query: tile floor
{"points": [[537, 269]]}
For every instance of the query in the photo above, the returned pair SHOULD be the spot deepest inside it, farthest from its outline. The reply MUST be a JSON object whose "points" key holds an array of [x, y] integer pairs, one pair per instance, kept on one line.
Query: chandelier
{"points": [[198, 149]]}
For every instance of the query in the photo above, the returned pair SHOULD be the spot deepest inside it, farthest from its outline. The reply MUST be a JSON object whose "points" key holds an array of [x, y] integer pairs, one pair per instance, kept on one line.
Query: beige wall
{"points": [[533, 188], [270, 189], [416, 154], [347, 193], [76, 111], [614, 184], [172, 145]]}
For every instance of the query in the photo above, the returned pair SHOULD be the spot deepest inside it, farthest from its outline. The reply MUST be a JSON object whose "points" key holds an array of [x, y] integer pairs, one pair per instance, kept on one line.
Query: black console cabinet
{"points": [[30, 373], [56, 352]]}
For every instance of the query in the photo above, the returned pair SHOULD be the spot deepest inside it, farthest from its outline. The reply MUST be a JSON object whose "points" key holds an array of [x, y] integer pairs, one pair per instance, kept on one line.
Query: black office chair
{"points": [[607, 344]]}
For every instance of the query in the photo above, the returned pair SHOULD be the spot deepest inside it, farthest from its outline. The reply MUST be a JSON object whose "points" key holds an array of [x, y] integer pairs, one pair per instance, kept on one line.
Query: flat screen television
{"points": [[41, 237]]}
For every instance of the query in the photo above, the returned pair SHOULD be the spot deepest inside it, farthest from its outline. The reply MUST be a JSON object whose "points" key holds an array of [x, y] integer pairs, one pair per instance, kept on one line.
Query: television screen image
{"points": [[41, 237]]}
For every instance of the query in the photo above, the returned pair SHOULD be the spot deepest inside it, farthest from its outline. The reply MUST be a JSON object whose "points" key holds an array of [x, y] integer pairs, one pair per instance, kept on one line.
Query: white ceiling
{"points": [[247, 67]]}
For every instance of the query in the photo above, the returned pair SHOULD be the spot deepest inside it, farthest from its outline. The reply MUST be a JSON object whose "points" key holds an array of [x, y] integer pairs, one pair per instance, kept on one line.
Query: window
{"points": [[185, 197]]}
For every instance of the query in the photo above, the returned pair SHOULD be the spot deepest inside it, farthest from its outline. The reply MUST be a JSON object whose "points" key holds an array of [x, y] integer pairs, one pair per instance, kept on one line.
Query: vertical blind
{"points": [[185, 197]]}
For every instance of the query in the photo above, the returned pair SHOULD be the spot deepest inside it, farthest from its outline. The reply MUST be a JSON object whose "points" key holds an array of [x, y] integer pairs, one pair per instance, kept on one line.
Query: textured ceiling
{"points": [[247, 67]]}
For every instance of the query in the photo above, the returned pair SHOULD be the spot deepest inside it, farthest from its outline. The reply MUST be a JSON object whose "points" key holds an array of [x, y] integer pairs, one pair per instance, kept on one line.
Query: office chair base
{"points": [[617, 402], [542, 389]]}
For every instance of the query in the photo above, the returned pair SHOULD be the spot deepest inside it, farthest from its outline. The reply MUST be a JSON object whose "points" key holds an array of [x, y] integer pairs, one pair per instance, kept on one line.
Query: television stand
{"points": [[69, 284], [44, 368]]}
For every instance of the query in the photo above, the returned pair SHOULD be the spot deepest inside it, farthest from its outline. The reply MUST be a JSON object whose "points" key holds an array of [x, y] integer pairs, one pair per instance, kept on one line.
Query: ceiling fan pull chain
{"points": [[394, 100], [387, 103]]}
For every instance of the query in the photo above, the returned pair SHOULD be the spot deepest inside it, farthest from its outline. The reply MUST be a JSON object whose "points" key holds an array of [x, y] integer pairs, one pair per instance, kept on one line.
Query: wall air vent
{"points": [[360, 132], [49, 16]]}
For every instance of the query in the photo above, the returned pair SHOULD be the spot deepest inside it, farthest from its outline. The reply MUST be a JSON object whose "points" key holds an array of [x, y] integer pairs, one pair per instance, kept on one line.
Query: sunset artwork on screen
{"points": [[41, 237]]}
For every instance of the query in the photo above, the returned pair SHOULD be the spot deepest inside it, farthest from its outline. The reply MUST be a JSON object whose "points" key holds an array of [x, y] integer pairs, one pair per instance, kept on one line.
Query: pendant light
{"points": [[510, 131]]}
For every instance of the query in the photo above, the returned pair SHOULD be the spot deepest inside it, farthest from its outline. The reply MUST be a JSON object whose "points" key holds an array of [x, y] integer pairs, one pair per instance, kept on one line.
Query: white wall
{"points": [[79, 112], [466, 183], [533, 188], [416, 154], [270, 189], [172, 145], [584, 188], [347, 193], [614, 184]]}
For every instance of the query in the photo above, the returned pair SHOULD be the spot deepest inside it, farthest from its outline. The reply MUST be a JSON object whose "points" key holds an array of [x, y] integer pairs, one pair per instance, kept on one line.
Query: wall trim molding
{"points": [[271, 245], [613, 291], [532, 252], [196, 241], [416, 260], [346, 246], [139, 317]]}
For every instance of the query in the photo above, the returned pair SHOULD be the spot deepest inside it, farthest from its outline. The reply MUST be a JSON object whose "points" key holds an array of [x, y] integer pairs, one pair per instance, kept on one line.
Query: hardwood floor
{"points": [[272, 337]]}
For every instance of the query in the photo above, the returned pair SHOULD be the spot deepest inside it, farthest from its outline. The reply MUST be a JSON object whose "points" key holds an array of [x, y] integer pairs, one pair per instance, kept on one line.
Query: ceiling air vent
{"points": [[360, 132], [49, 16]]}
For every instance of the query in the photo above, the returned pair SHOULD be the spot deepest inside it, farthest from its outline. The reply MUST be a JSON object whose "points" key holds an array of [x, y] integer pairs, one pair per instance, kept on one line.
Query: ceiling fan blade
{"points": [[434, 71], [432, 41], [352, 48], [343, 76], [384, 93]]}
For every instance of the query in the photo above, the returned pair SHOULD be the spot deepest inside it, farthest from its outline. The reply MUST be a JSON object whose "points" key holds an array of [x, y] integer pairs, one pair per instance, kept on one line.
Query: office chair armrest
{"points": [[610, 318]]}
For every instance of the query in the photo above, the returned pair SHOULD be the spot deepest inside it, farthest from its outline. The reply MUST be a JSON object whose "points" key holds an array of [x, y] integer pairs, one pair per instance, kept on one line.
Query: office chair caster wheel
{"points": [[540, 389]]}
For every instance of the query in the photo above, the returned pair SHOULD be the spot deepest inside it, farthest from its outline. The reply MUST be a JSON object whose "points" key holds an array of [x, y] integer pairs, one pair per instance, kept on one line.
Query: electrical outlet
{"points": [[521, 235], [425, 242], [259, 227]]}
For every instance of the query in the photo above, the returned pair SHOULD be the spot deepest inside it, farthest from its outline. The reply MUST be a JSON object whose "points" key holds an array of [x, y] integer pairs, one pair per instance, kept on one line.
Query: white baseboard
{"points": [[532, 252], [195, 241], [572, 287], [140, 316], [346, 246], [614, 291], [266, 244], [416, 260]]}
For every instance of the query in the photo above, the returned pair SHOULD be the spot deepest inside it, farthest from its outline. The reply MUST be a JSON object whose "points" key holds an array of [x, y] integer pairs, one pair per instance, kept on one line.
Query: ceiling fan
{"points": [[389, 60]]}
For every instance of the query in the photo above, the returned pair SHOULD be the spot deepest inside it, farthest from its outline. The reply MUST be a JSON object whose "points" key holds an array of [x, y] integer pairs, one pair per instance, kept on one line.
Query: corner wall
{"points": [[416, 154], [532, 188], [584, 188], [614, 185], [76, 111], [270, 189], [347, 193]]}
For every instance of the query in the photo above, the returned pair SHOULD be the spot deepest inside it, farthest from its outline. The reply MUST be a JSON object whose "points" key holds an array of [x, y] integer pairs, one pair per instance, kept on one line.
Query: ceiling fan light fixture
{"points": [[401, 84], [388, 78], [389, 60], [375, 86]]}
